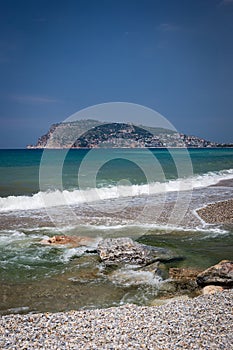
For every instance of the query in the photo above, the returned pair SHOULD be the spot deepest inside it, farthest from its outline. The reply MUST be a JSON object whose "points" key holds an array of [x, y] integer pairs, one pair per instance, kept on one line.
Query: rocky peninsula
{"points": [[96, 134]]}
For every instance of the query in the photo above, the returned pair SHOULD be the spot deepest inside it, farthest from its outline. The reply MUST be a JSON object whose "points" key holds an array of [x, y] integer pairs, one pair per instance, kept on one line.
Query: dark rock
{"points": [[220, 274], [125, 250]]}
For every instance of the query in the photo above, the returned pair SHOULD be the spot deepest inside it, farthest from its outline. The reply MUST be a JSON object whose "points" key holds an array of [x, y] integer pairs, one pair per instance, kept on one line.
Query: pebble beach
{"points": [[219, 212], [204, 322]]}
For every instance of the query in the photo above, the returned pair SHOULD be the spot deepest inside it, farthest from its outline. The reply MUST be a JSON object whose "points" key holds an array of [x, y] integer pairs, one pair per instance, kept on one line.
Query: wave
{"points": [[55, 198], [129, 276], [159, 228]]}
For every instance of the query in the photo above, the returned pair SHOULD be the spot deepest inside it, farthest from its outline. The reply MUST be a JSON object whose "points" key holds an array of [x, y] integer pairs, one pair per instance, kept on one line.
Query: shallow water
{"points": [[42, 278], [38, 278]]}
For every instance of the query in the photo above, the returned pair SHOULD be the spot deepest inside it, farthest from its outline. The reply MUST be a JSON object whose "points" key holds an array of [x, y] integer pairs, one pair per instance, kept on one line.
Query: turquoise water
{"points": [[103, 193], [20, 168]]}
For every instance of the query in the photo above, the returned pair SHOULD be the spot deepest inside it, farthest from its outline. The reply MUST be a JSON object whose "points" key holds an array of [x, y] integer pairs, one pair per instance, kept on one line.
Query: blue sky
{"points": [[57, 57]]}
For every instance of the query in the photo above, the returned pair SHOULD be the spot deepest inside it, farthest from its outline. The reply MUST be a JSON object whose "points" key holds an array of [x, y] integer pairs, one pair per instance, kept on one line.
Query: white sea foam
{"points": [[11, 236], [129, 276], [72, 253], [160, 228], [59, 198]]}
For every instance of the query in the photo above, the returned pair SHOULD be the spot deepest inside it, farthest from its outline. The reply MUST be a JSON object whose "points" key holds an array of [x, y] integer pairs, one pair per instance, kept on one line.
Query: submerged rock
{"points": [[125, 250], [168, 287], [220, 274], [184, 274], [181, 280], [163, 301]]}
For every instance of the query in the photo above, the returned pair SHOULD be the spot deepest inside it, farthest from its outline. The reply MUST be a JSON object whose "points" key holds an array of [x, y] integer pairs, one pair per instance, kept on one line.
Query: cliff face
{"points": [[64, 135], [42, 141], [95, 134]]}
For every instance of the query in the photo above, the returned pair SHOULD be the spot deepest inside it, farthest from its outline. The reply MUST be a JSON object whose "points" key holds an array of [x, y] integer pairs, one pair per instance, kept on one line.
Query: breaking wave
{"points": [[75, 197]]}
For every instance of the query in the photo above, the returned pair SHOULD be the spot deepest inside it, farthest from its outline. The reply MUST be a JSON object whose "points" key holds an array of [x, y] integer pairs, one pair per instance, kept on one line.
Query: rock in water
{"points": [[72, 241], [212, 289], [184, 279], [184, 274], [220, 274], [125, 250]]}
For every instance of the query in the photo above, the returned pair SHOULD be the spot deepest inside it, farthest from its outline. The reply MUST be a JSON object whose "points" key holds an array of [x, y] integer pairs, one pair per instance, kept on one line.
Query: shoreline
{"points": [[204, 322]]}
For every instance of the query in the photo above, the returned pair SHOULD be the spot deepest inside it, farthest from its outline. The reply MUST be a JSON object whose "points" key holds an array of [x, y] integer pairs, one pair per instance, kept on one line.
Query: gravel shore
{"points": [[205, 322], [219, 212]]}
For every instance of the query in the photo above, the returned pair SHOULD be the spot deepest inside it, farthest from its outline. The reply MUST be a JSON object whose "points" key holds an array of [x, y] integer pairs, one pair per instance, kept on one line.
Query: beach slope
{"points": [[204, 322]]}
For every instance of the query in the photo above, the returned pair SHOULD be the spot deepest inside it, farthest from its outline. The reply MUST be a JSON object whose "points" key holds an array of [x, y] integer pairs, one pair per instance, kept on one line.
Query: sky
{"points": [[57, 57]]}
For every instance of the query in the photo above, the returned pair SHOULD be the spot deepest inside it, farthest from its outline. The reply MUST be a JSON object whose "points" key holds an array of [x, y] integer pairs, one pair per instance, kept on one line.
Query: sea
{"points": [[149, 195]]}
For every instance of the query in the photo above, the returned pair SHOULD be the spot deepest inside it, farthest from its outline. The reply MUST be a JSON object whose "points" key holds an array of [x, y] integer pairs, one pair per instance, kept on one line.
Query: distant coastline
{"points": [[89, 134], [31, 147]]}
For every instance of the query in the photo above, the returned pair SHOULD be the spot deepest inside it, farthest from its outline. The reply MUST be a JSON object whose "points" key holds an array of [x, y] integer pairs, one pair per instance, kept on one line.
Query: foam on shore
{"points": [[76, 197]]}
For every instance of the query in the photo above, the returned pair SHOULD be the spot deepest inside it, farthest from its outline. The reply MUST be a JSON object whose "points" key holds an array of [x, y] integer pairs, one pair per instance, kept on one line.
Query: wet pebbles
{"points": [[205, 322], [219, 212]]}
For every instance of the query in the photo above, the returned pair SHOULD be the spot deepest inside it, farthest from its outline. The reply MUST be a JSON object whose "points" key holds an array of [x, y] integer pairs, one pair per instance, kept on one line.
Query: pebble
{"points": [[205, 322], [219, 212]]}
